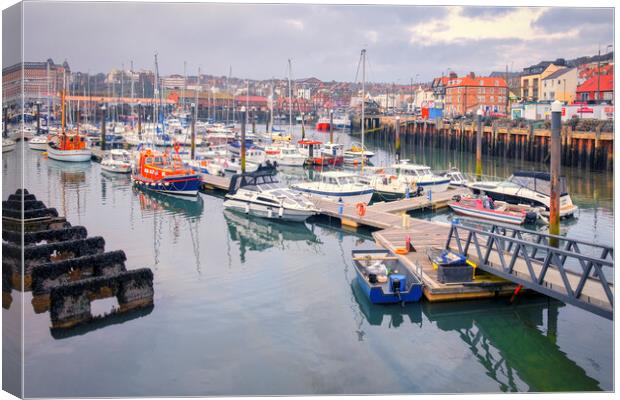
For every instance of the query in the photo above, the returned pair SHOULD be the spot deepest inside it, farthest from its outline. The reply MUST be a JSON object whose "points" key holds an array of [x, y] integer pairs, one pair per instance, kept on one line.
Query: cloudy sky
{"points": [[322, 40]]}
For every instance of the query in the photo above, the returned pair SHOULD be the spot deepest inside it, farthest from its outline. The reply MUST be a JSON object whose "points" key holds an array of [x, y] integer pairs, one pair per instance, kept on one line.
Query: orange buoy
{"points": [[361, 209], [401, 250]]}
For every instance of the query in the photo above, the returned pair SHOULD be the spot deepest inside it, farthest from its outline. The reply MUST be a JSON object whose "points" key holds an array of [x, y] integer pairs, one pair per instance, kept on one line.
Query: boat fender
{"points": [[270, 212], [281, 212], [361, 209], [247, 208]]}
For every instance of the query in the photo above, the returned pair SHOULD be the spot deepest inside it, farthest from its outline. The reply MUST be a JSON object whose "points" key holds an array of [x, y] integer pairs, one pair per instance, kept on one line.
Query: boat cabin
{"points": [[70, 142], [338, 178], [156, 165], [539, 182], [413, 170]]}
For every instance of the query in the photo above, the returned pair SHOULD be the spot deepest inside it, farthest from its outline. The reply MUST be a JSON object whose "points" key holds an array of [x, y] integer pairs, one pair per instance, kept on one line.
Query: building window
{"points": [[492, 99]]}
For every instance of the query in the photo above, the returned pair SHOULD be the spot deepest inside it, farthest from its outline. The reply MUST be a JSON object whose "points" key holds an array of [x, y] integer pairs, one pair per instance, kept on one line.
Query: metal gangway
{"points": [[570, 270]]}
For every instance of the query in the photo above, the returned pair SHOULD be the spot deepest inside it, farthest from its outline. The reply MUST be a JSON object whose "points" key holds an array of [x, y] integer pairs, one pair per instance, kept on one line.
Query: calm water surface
{"points": [[247, 306]]}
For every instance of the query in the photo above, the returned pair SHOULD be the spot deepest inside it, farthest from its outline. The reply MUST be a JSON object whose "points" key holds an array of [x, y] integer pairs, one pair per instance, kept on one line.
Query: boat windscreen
{"points": [[538, 184]]}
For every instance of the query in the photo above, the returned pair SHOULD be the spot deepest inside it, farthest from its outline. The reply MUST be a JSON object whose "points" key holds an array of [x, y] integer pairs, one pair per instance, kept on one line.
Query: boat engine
{"points": [[531, 217]]}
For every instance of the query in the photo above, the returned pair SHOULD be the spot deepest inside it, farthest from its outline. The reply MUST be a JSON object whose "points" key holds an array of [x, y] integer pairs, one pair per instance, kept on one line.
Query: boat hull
{"points": [[434, 186], [381, 293], [490, 215], [187, 185], [269, 212], [363, 196], [565, 210], [117, 169], [68, 155]]}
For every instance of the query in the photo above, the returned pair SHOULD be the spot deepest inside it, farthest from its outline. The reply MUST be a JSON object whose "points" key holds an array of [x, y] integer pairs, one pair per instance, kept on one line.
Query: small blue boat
{"points": [[384, 279]]}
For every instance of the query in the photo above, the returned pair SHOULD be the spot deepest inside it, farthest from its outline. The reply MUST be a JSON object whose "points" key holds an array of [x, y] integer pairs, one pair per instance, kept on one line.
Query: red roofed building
{"points": [[589, 90], [469, 93]]}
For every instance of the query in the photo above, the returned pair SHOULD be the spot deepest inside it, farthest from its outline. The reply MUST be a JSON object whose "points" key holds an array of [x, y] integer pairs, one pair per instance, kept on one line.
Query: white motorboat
{"points": [[456, 177], [527, 187], [421, 176], [337, 186], [387, 186], [287, 156], [354, 154], [38, 143], [8, 145], [117, 161], [259, 193]]}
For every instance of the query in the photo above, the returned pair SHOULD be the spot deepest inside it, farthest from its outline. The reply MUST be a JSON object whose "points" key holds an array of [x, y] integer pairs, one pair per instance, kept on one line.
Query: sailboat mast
{"points": [[363, 98], [62, 105], [184, 84], [247, 103], [49, 99], [132, 85], [290, 99], [155, 96]]}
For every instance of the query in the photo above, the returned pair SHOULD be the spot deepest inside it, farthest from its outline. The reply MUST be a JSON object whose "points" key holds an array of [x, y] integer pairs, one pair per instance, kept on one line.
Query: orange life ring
{"points": [[401, 250], [361, 209]]}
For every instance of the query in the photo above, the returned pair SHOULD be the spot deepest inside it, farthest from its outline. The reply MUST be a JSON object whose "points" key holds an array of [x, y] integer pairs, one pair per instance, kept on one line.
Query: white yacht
{"points": [[387, 186], [117, 161], [287, 156], [355, 153], [422, 176], [259, 193], [38, 143], [456, 177], [526, 187], [8, 145], [337, 186]]}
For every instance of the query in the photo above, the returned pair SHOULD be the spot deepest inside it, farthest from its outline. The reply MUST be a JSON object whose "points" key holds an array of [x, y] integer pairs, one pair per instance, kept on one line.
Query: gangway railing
{"points": [[570, 270]]}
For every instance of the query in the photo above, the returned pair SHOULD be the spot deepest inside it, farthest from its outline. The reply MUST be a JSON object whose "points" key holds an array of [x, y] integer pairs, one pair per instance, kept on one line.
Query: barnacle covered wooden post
{"points": [[554, 202]]}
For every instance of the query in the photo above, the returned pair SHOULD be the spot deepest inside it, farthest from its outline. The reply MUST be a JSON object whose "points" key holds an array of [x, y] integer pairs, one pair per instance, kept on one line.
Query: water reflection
{"points": [[259, 234], [516, 344]]}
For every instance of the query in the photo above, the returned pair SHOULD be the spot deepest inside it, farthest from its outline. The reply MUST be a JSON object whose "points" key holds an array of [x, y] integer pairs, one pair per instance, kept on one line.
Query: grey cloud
{"points": [[256, 41]]}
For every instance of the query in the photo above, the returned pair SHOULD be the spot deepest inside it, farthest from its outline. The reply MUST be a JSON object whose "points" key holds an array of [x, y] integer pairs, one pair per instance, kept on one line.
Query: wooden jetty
{"points": [[425, 235], [396, 225], [386, 215], [212, 182]]}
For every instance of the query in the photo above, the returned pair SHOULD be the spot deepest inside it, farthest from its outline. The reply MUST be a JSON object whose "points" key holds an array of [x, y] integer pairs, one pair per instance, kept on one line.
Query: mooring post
{"points": [[253, 120], [397, 137], [5, 114], [554, 204], [331, 126], [103, 108], [140, 121], [242, 161], [38, 104], [193, 145], [479, 146]]}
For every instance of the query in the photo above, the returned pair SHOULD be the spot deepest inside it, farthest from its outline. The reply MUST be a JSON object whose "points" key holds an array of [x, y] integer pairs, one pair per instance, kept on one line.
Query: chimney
{"points": [[472, 75]]}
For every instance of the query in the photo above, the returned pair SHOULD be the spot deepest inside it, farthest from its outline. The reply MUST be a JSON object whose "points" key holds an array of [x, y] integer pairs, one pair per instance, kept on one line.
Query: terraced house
{"points": [[467, 94], [532, 77]]}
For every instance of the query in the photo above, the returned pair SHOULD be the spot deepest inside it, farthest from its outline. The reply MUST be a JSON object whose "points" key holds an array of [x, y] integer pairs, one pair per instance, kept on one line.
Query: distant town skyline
{"points": [[323, 41]]}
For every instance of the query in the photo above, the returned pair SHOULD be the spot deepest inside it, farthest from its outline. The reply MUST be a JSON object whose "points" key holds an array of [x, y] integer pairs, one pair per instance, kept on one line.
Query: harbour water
{"points": [[247, 306]]}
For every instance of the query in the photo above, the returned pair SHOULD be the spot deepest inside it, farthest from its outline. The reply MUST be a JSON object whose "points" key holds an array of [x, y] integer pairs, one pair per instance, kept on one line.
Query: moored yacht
{"points": [[422, 176], [117, 161], [527, 187], [337, 186], [38, 142], [259, 193]]}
